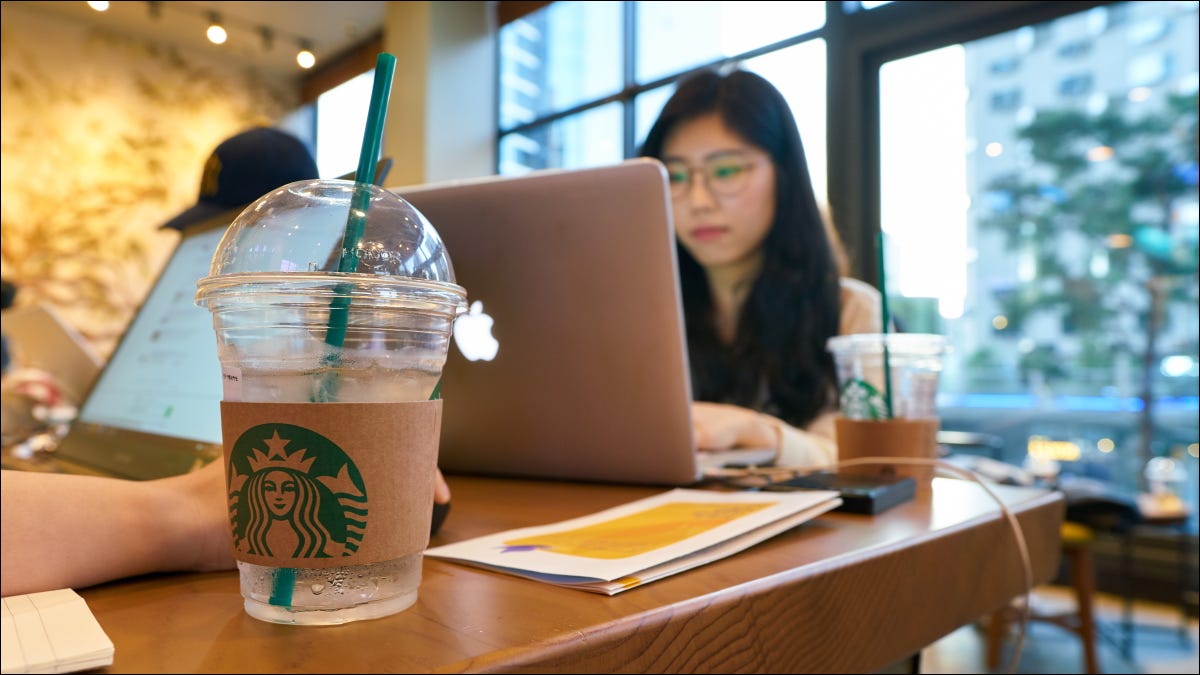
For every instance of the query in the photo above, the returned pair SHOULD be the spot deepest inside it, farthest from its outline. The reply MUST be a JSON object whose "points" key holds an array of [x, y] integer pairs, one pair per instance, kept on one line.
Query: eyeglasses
{"points": [[724, 176]]}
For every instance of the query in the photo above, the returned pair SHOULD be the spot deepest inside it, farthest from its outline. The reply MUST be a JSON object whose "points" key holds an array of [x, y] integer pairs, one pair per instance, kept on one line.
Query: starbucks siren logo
{"points": [[861, 401], [294, 493]]}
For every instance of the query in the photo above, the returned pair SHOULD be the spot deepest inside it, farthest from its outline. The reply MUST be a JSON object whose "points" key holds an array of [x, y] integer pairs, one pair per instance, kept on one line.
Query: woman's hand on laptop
{"points": [[720, 426]]}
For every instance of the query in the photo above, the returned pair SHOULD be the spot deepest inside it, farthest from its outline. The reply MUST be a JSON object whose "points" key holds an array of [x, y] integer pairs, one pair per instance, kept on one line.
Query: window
{"points": [[556, 58], [1048, 264], [591, 138], [1004, 66], [1008, 99], [549, 118], [1012, 228], [1116, 15], [341, 120], [1075, 85], [676, 36], [332, 126], [1029, 38], [1075, 49]]}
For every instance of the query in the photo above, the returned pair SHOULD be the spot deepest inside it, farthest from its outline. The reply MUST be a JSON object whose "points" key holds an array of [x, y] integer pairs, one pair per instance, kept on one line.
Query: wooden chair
{"points": [[1088, 514], [1077, 552]]}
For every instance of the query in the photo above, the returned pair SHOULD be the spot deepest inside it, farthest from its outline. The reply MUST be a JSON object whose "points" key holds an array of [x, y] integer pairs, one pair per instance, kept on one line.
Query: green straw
{"points": [[356, 220], [887, 368], [284, 582], [385, 67]]}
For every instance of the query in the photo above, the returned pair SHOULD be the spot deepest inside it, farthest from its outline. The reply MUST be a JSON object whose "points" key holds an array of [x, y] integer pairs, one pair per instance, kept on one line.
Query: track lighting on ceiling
{"points": [[216, 32], [218, 25], [305, 58]]}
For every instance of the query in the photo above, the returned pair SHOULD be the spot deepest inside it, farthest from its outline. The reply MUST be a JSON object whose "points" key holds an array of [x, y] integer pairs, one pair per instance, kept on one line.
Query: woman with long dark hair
{"points": [[762, 272]]}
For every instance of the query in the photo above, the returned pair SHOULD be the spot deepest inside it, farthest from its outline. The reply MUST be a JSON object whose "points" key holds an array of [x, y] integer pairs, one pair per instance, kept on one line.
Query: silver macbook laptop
{"points": [[577, 270], [154, 408]]}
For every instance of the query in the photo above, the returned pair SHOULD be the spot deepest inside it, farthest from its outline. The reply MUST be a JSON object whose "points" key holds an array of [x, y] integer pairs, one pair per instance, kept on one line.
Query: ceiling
{"points": [[331, 27]]}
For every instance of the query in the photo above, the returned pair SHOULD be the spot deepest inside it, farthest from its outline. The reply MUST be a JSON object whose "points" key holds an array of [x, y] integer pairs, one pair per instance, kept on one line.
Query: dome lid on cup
{"points": [[912, 344], [298, 234]]}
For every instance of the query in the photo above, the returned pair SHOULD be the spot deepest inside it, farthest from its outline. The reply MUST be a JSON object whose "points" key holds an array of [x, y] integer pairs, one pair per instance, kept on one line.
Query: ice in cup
{"points": [[864, 426], [333, 304]]}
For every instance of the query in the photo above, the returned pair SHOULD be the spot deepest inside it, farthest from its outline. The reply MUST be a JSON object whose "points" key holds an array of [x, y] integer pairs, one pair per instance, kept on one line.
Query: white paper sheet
{"points": [[636, 543], [52, 632]]}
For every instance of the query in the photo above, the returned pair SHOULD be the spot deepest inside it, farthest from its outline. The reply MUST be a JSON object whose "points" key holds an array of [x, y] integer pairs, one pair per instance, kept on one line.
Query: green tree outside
{"points": [[1113, 182]]}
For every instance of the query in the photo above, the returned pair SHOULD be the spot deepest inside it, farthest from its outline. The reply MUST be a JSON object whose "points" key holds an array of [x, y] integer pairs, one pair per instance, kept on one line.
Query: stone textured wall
{"points": [[103, 137]]}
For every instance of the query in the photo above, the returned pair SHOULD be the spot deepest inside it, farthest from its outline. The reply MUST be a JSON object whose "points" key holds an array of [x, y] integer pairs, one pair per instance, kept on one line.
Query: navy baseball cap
{"points": [[245, 167]]}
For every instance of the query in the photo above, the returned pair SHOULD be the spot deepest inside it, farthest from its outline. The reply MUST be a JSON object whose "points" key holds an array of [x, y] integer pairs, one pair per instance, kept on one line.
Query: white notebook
{"points": [[52, 632]]}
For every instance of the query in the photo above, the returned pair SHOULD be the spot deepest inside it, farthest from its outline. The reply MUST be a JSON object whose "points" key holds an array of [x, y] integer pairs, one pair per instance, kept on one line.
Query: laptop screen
{"points": [[164, 377]]}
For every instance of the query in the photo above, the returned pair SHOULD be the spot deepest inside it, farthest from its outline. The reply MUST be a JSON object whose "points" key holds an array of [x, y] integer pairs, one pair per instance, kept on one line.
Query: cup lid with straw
{"points": [[290, 241], [304, 236]]}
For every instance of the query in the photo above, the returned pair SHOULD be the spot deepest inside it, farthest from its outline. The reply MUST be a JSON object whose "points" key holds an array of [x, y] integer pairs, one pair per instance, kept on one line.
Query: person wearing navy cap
{"points": [[245, 167]]}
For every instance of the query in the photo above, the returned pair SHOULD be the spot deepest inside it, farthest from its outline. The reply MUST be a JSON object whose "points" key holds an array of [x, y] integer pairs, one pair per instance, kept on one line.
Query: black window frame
{"points": [[858, 42]]}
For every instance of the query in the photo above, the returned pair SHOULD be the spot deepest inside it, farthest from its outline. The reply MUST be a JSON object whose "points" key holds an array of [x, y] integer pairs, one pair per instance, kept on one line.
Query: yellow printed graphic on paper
{"points": [[640, 532]]}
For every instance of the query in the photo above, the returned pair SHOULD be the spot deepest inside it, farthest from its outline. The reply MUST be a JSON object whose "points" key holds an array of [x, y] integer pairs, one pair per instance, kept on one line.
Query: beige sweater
{"points": [[816, 444]]}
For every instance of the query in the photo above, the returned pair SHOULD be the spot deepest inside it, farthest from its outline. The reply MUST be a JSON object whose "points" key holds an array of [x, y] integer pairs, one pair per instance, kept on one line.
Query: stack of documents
{"points": [[636, 543], [52, 632]]}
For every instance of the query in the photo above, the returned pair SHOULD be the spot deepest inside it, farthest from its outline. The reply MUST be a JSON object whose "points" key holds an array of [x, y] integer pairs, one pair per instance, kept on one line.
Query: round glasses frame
{"points": [[716, 184]]}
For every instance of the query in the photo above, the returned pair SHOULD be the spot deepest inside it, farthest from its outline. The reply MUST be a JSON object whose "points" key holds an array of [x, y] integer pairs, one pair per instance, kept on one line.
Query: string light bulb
{"points": [[98, 5], [305, 58], [216, 32]]}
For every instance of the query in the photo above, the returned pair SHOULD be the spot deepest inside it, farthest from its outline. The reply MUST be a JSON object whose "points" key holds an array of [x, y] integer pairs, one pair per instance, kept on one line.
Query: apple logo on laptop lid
{"points": [[473, 334]]}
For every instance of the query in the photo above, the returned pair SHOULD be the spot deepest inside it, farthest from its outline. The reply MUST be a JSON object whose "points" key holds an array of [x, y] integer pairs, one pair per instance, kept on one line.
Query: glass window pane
{"points": [[675, 36], [646, 108], [558, 57], [799, 74], [341, 119], [591, 138], [1048, 226]]}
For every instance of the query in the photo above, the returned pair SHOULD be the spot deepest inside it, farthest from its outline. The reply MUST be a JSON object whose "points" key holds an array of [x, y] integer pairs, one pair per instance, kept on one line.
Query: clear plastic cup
{"points": [[330, 419], [915, 360], [865, 430]]}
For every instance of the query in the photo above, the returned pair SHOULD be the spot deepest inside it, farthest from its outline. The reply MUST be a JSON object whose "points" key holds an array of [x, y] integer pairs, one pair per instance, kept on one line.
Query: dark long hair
{"points": [[778, 362]]}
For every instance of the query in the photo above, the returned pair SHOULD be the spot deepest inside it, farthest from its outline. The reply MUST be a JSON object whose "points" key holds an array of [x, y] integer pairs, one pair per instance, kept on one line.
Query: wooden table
{"points": [[841, 593]]}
